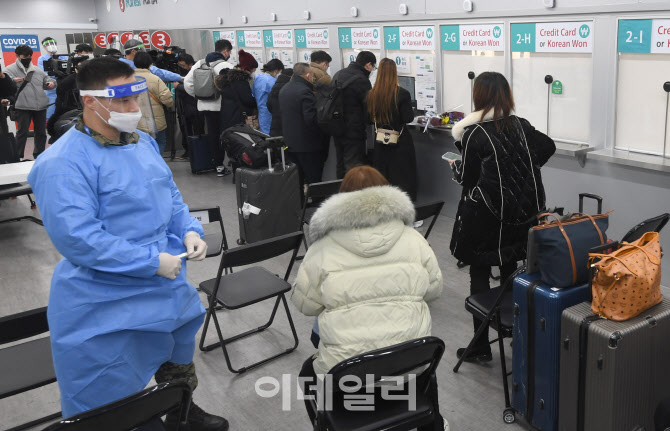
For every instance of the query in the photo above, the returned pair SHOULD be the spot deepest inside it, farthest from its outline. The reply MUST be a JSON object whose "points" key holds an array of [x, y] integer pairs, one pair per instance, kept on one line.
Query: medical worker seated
{"points": [[120, 309]]}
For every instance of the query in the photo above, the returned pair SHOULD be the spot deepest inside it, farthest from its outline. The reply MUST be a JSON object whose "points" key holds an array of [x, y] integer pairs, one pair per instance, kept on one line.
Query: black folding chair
{"points": [[216, 242], [15, 190], [28, 365], [419, 357], [315, 194], [141, 411], [428, 210], [495, 308], [249, 286]]}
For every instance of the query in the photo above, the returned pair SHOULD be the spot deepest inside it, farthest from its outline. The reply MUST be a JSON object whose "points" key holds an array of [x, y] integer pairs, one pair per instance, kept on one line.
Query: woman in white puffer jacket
{"points": [[368, 274]]}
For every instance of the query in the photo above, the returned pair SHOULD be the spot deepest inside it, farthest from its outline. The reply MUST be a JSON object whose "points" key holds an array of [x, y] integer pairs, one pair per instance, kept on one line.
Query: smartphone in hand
{"points": [[449, 156]]}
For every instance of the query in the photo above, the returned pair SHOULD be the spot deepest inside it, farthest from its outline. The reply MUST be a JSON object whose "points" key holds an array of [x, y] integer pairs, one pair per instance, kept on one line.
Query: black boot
{"points": [[476, 354], [198, 420]]}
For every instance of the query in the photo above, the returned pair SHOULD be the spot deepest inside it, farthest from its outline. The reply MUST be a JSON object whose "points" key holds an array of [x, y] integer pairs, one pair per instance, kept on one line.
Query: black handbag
{"points": [[12, 110]]}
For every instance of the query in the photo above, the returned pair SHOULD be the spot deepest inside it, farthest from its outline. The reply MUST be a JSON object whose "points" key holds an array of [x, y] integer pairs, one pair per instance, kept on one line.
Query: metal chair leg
{"points": [[484, 326], [29, 218], [225, 341], [503, 362]]}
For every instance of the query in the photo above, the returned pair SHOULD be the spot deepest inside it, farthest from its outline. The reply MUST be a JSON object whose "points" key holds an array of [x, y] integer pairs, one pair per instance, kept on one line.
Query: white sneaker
{"points": [[418, 224], [219, 171], [446, 424]]}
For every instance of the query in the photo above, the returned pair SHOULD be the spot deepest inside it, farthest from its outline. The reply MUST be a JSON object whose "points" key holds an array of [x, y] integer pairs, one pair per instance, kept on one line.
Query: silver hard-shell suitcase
{"points": [[613, 375]]}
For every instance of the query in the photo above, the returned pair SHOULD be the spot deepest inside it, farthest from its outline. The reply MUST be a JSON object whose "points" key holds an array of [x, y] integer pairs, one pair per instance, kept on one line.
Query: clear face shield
{"points": [[51, 46], [129, 106]]}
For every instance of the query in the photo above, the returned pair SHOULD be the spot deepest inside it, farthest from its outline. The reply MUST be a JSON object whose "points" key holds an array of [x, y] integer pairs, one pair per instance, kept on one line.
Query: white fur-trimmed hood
{"points": [[471, 119], [361, 209]]}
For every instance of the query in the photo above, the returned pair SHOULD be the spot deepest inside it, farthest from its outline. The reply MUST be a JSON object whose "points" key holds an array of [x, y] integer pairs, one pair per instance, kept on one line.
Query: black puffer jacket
{"points": [[236, 97], [355, 95], [273, 104], [502, 188]]}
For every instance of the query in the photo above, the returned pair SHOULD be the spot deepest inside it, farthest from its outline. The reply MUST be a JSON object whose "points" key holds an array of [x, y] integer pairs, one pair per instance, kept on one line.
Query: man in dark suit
{"points": [[304, 138]]}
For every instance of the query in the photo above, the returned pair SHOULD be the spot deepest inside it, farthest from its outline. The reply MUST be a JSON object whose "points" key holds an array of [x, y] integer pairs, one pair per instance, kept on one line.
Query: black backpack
{"points": [[330, 106], [246, 146]]}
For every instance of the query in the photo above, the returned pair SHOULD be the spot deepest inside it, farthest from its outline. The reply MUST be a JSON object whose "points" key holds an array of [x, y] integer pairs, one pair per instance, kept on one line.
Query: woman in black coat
{"points": [[502, 188], [237, 101], [273, 101], [390, 107]]}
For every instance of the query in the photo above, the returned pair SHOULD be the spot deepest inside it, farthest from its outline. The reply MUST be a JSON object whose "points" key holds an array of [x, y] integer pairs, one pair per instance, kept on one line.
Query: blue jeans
{"points": [[161, 140]]}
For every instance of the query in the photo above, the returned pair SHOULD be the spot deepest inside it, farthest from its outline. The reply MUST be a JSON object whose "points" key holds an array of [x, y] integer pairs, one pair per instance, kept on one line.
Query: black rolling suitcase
{"points": [[200, 154], [613, 375], [268, 199]]}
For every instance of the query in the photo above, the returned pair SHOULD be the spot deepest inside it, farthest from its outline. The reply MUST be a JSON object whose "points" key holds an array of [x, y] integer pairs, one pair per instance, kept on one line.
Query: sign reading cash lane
{"points": [[410, 38], [553, 37], [483, 37]]}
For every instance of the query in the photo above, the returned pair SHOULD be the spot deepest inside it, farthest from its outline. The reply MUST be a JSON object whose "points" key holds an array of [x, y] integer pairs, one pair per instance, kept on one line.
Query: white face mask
{"points": [[122, 121]]}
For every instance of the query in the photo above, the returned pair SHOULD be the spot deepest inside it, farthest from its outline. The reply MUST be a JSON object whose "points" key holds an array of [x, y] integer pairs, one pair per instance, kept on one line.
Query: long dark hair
{"points": [[383, 98], [492, 93]]}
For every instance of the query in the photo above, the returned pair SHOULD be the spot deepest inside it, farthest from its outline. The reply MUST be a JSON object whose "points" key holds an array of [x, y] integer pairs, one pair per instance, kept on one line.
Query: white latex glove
{"points": [[195, 246], [169, 266]]}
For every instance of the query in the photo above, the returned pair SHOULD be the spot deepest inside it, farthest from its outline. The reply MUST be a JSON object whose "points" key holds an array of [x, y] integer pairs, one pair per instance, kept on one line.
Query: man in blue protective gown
{"points": [[132, 47], [120, 308], [51, 47]]}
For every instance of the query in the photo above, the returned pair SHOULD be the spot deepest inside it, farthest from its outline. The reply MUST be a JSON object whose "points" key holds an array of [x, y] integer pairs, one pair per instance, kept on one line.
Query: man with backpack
{"points": [[199, 83], [355, 83]]}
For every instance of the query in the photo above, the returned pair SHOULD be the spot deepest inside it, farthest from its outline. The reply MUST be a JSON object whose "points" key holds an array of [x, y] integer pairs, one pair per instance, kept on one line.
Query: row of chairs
{"points": [[15, 190], [144, 409], [228, 290]]}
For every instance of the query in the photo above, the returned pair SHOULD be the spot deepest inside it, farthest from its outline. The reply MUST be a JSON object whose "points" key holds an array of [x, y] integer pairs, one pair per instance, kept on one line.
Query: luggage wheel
{"points": [[461, 264], [240, 242], [508, 416]]}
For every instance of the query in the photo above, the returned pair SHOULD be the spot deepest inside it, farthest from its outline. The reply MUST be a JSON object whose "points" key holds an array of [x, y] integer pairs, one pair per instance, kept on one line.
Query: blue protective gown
{"points": [[261, 89], [110, 210]]}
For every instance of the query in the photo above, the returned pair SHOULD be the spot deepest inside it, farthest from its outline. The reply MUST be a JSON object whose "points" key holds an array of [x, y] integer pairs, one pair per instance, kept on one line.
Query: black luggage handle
{"points": [[591, 196]]}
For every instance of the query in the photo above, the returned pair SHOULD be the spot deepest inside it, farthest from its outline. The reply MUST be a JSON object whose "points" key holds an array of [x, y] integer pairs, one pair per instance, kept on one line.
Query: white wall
{"points": [[184, 14], [36, 14]]}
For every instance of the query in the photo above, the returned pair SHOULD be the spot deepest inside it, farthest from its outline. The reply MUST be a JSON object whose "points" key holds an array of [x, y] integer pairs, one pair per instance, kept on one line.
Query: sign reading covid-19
{"points": [[480, 37], [249, 38], [645, 36], [360, 38], [553, 37], [278, 38], [410, 38], [314, 38], [9, 43]]}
